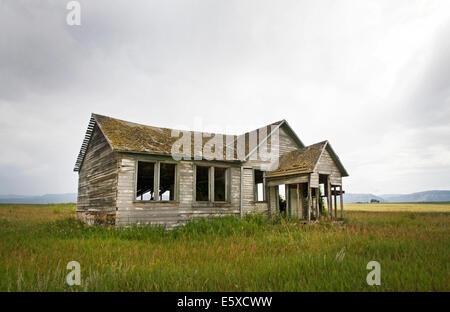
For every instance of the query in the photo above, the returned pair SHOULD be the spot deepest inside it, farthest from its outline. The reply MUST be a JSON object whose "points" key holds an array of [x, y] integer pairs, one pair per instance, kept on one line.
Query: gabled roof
{"points": [[125, 136], [299, 161], [84, 145], [305, 160], [269, 131], [336, 159]]}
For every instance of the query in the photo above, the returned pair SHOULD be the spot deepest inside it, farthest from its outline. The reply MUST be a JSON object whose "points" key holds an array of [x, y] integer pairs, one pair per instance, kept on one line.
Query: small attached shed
{"points": [[129, 175], [302, 172]]}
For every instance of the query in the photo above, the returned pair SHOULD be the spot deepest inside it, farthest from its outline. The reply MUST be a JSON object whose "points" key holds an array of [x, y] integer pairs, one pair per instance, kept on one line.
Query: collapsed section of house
{"points": [[136, 174]]}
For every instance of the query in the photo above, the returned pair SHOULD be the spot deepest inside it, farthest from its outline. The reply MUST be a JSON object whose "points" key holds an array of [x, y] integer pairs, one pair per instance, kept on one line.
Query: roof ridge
{"points": [[195, 131]]}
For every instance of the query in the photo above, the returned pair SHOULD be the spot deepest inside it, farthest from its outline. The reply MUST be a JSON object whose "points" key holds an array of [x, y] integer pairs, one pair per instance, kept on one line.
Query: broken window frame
{"points": [[225, 184], [141, 197], [255, 187], [156, 181], [208, 184], [174, 192], [211, 184]]}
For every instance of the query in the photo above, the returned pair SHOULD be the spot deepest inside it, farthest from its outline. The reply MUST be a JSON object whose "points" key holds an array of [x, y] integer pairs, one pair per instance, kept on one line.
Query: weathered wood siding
{"points": [[294, 179], [326, 165], [314, 178], [171, 213], [285, 144], [273, 201], [97, 182], [247, 190], [249, 203], [107, 186]]}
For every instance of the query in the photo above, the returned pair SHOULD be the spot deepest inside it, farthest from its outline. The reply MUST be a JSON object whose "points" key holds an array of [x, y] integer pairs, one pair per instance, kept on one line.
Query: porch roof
{"points": [[304, 161]]}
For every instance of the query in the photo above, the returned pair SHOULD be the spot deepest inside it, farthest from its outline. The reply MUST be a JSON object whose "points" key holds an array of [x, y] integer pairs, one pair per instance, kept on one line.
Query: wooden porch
{"points": [[304, 173], [304, 198]]}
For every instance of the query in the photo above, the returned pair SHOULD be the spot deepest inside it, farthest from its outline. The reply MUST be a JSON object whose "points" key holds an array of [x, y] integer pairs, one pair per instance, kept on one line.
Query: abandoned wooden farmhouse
{"points": [[129, 174]]}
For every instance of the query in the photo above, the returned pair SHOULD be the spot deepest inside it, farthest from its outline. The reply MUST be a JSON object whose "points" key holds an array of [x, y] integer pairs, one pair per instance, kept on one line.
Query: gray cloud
{"points": [[429, 103], [372, 77]]}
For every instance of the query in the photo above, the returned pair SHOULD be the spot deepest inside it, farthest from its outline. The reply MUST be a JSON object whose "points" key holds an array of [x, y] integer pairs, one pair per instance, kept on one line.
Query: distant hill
{"points": [[427, 196], [361, 198], [44, 199]]}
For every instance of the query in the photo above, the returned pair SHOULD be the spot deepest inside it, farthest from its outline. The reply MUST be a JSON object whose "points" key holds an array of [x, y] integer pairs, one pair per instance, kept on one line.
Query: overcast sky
{"points": [[372, 77]]}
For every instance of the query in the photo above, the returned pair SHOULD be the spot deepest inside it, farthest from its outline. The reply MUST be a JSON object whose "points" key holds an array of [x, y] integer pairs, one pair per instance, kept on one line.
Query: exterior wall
{"points": [[247, 190], [249, 205], [171, 213], [326, 165], [314, 179], [285, 144], [297, 210], [97, 182], [185, 207]]}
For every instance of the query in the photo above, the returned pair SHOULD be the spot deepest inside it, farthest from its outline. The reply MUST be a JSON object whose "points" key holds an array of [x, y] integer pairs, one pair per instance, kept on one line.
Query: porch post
{"points": [[342, 202], [317, 203], [156, 181], [288, 203], [211, 184], [330, 215], [335, 202], [277, 198], [299, 209], [309, 199]]}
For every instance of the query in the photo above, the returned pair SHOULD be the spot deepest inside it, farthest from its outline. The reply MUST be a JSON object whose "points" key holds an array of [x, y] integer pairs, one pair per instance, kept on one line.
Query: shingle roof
{"points": [[299, 161], [128, 136], [305, 160], [125, 136]]}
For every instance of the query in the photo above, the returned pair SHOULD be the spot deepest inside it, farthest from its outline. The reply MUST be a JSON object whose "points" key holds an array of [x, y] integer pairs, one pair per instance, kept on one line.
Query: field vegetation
{"points": [[228, 254]]}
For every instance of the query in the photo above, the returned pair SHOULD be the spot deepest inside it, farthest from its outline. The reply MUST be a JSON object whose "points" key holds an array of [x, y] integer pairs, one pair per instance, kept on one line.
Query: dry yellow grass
{"points": [[28, 213], [399, 207], [225, 254]]}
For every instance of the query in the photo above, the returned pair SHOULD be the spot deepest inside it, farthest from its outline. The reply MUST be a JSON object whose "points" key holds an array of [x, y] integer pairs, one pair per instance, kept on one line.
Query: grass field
{"points": [[411, 242], [400, 207]]}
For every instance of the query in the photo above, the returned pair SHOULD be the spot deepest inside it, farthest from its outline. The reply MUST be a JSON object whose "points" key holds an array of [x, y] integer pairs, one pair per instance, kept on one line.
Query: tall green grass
{"points": [[225, 254]]}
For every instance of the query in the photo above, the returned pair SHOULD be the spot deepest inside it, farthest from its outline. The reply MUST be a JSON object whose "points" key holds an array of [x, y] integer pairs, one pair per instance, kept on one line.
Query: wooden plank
{"points": [[314, 180], [335, 203], [328, 186], [309, 202], [288, 180], [156, 180], [277, 202], [241, 193], [317, 204], [287, 195], [211, 184], [98, 174]]}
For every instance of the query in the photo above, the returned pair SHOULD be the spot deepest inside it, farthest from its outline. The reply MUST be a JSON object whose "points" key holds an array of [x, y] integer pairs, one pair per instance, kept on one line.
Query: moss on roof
{"points": [[299, 161], [131, 137], [127, 136]]}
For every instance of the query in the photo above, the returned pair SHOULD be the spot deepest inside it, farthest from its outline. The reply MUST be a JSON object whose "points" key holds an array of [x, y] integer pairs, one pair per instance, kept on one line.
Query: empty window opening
{"points": [[202, 184], [145, 181], [259, 185], [282, 198], [167, 181], [220, 184]]}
